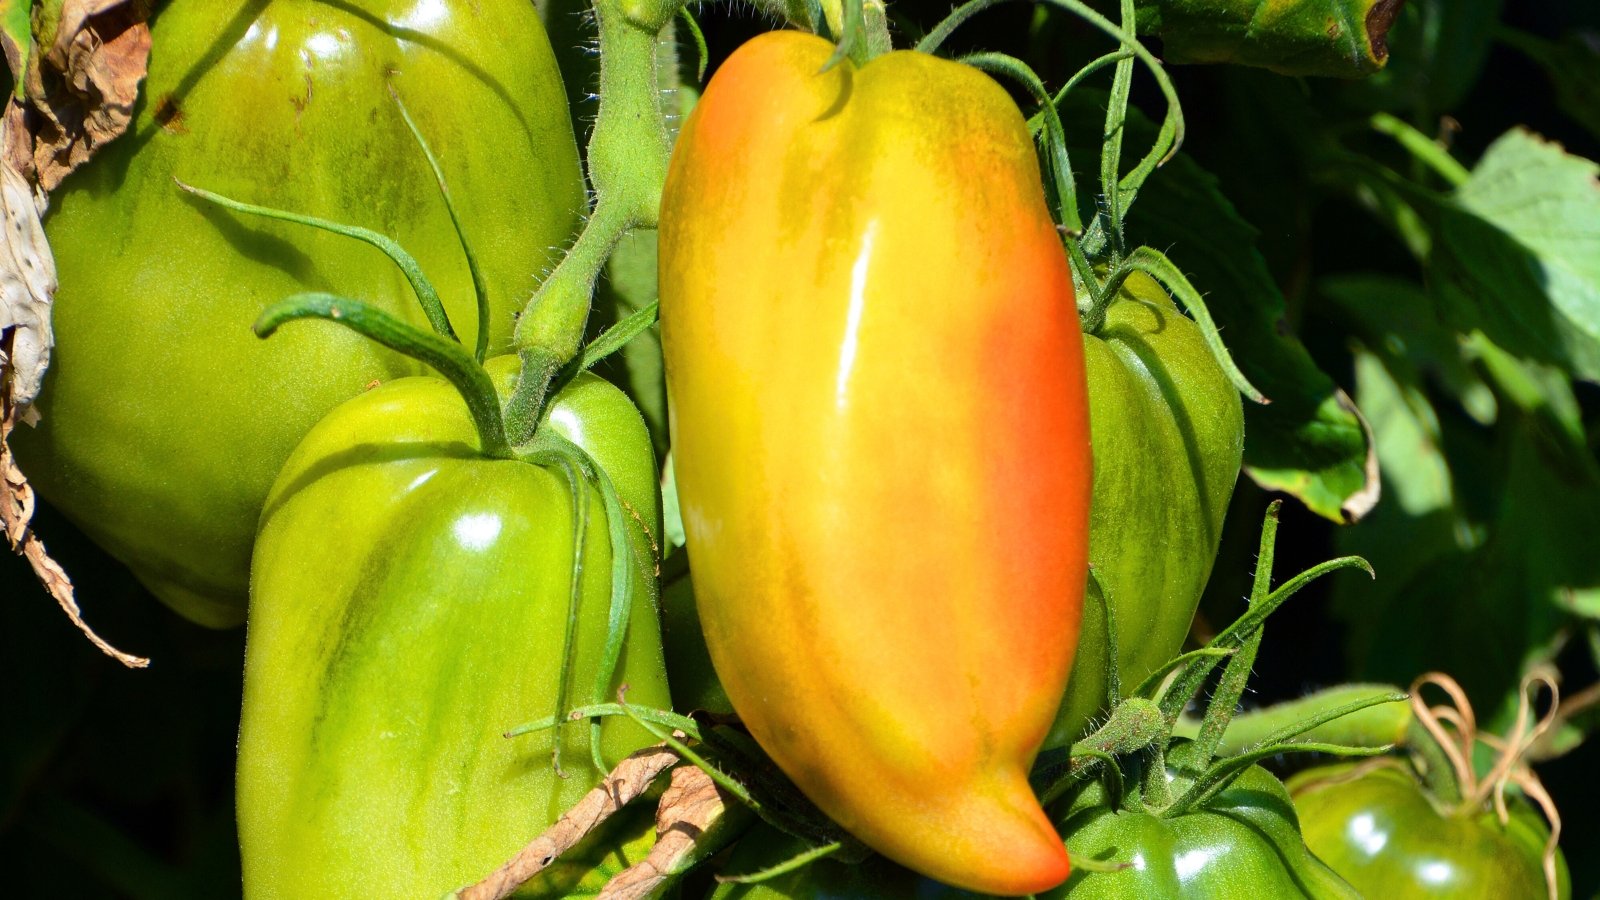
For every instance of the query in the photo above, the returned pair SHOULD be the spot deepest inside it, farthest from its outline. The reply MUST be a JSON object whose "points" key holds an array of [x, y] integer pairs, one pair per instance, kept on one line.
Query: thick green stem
{"points": [[627, 158], [860, 27], [447, 357], [802, 14], [1155, 790]]}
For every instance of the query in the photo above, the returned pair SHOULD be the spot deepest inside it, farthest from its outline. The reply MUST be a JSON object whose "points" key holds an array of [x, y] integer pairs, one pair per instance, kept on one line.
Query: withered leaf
{"points": [[27, 285], [81, 87], [631, 777], [16, 512], [690, 807]]}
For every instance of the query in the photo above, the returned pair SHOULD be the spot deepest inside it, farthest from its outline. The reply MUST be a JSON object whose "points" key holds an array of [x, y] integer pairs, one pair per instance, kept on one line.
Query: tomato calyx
{"points": [[1442, 812], [1443, 740], [1143, 765], [465, 370]]}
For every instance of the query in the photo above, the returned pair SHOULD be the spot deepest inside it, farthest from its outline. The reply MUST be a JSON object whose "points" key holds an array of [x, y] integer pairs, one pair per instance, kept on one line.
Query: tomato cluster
{"points": [[912, 423]]}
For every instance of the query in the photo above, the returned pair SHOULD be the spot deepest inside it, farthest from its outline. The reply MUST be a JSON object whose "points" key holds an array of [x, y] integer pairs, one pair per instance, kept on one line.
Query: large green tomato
{"points": [[409, 603], [1168, 433], [1378, 828], [165, 419], [1244, 842]]}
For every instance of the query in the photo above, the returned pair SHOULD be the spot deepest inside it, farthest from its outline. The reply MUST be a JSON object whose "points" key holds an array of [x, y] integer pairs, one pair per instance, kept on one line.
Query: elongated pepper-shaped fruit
{"points": [[881, 438]]}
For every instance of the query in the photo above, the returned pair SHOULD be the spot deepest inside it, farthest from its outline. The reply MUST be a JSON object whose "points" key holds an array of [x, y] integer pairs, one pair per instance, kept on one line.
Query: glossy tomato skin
{"points": [[1378, 828], [165, 418], [1168, 432], [1245, 842], [881, 442], [409, 600]]}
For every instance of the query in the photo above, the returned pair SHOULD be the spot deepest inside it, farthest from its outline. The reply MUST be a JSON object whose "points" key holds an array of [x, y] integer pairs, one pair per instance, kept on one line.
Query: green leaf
{"points": [[1483, 601], [1398, 322], [1406, 432], [1309, 441], [1518, 253], [671, 511], [1438, 49], [1341, 38]]}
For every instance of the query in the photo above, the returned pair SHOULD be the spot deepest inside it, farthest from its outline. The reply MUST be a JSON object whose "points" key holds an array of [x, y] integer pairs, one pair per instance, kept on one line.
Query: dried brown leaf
{"points": [[27, 286], [632, 777], [81, 90], [692, 805], [16, 512]]}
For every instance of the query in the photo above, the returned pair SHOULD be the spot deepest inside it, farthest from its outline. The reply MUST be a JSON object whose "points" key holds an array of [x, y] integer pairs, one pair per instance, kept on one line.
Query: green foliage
{"points": [[1518, 253], [1437, 53], [1308, 441], [1298, 37], [1468, 379]]}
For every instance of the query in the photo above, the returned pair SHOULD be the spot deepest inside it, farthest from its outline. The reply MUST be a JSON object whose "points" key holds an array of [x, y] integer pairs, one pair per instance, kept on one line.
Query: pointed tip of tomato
{"points": [[999, 842]]}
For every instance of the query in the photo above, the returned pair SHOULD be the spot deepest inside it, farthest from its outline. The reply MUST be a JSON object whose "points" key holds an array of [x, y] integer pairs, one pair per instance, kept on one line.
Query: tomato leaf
{"points": [[1310, 442], [97, 51], [1518, 253], [583, 872], [1438, 49], [1478, 580], [1320, 37]]}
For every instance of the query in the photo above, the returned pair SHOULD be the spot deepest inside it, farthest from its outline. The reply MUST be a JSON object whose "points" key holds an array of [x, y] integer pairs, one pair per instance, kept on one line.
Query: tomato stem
{"points": [[860, 28], [627, 160], [1122, 188], [447, 357], [426, 295], [480, 287]]}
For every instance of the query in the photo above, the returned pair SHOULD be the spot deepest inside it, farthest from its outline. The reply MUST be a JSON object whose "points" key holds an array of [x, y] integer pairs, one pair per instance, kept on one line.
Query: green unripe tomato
{"points": [[409, 604], [165, 418], [1168, 434], [1378, 827], [1243, 842]]}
